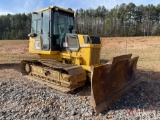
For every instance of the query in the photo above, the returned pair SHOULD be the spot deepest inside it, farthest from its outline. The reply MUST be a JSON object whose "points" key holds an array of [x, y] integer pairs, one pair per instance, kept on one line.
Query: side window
{"points": [[70, 20], [62, 24], [38, 26], [46, 30], [36, 23], [56, 23], [59, 26], [34, 26], [56, 27]]}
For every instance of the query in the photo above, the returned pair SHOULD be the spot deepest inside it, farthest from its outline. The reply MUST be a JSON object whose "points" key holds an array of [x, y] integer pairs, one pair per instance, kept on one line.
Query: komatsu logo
{"points": [[83, 45]]}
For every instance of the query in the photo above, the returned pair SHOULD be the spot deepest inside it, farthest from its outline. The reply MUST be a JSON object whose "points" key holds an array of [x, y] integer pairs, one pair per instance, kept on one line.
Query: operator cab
{"points": [[51, 26]]}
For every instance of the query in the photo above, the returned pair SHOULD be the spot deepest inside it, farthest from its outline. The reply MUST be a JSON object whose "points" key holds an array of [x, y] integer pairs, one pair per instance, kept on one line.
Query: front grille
{"points": [[95, 56]]}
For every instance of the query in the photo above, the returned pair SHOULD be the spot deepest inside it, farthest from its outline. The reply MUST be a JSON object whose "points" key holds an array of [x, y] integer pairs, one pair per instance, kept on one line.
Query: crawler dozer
{"points": [[67, 59]]}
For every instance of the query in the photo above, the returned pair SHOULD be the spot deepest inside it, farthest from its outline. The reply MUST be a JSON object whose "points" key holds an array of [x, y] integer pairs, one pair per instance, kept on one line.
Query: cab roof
{"points": [[51, 7]]}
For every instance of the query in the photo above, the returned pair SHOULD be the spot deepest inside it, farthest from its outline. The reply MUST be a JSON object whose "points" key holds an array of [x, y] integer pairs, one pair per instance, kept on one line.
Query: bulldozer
{"points": [[67, 59]]}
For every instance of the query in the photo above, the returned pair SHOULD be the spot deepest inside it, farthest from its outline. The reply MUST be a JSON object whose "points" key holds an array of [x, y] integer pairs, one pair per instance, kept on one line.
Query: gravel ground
{"points": [[21, 98]]}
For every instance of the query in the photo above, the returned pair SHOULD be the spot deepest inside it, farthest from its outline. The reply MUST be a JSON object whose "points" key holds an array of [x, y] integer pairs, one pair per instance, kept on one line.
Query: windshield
{"points": [[62, 21]]}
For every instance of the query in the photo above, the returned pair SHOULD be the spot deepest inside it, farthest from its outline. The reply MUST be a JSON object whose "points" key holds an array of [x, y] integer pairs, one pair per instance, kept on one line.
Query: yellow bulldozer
{"points": [[68, 59]]}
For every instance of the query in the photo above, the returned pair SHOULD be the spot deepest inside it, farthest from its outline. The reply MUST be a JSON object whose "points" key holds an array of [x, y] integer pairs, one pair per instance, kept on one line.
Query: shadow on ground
{"points": [[15, 66]]}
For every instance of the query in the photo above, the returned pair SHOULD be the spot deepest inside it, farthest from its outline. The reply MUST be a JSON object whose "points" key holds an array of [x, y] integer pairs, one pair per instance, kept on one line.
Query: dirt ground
{"points": [[14, 51], [147, 48]]}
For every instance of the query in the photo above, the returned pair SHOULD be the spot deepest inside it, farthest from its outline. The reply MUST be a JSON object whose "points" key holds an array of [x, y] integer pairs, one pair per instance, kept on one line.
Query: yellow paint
{"points": [[51, 7], [82, 57]]}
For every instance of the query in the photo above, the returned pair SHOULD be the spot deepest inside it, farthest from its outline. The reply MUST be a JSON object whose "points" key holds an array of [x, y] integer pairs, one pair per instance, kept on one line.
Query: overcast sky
{"points": [[27, 6]]}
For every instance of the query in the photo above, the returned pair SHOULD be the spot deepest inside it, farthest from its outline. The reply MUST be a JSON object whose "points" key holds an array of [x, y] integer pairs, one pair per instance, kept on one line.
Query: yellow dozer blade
{"points": [[111, 80]]}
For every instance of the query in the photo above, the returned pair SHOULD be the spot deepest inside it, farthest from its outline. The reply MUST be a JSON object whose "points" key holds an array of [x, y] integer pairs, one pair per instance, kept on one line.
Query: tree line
{"points": [[15, 26], [122, 20]]}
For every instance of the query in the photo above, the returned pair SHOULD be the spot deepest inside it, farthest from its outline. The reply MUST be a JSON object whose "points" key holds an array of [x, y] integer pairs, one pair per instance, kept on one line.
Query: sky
{"points": [[27, 6]]}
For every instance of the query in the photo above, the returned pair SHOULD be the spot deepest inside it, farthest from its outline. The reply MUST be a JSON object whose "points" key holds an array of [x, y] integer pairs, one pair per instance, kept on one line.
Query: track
{"points": [[63, 77]]}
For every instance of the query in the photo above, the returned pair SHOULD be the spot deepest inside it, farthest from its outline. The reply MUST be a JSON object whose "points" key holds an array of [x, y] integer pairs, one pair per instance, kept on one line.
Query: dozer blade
{"points": [[111, 80]]}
